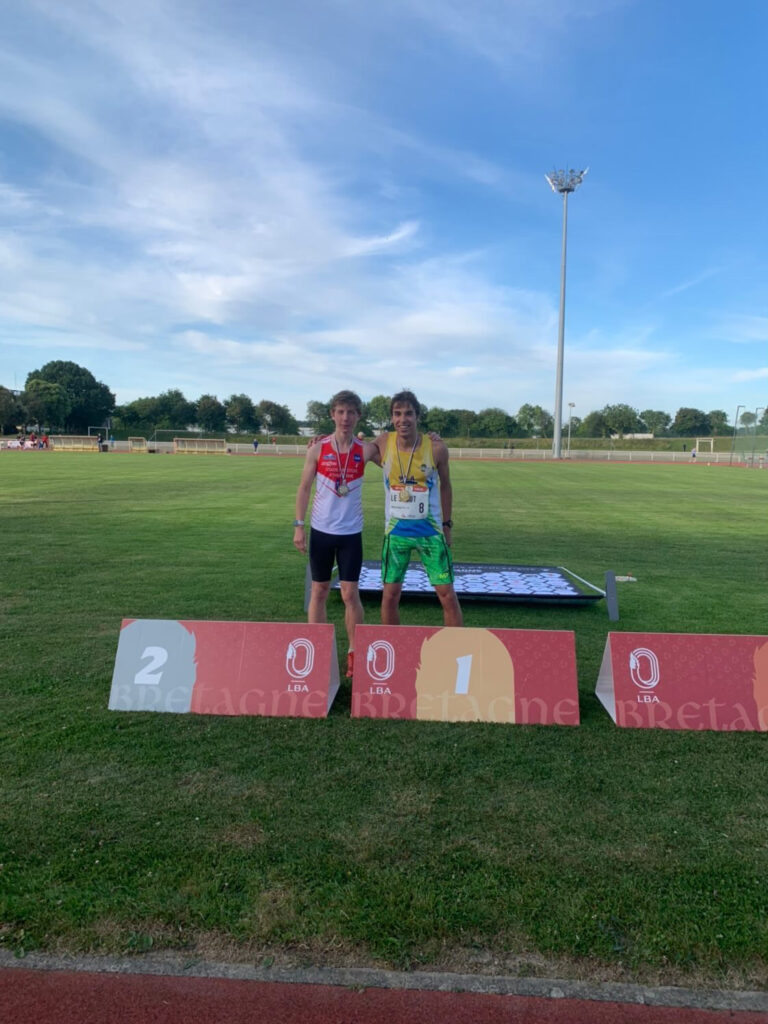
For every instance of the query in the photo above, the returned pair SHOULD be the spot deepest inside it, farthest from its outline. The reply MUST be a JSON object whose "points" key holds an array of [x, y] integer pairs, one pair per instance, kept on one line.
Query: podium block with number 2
{"points": [[225, 668]]}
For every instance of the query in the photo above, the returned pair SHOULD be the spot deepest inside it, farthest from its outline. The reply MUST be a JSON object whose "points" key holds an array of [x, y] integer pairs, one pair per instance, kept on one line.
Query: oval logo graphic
{"points": [[372, 660], [300, 658], [644, 668]]}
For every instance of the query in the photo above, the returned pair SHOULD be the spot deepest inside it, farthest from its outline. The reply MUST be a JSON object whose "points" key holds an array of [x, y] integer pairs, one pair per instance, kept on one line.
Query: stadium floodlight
{"points": [[564, 182]]}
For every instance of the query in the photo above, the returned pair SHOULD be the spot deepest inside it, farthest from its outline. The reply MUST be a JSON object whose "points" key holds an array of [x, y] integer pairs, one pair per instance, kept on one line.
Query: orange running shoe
{"points": [[350, 664]]}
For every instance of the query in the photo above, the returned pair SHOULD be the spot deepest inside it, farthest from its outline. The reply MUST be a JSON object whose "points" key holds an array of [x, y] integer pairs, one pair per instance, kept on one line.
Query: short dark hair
{"points": [[403, 397], [346, 398]]}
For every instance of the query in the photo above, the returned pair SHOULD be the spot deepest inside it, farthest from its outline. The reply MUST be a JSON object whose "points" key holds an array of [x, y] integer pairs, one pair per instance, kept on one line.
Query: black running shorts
{"points": [[346, 549]]}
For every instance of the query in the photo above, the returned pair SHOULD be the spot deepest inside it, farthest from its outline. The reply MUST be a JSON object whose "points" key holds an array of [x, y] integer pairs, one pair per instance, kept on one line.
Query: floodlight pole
{"points": [[564, 182]]}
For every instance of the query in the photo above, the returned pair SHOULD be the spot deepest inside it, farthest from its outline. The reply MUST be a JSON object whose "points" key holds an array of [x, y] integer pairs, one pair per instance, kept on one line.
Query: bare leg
{"points": [[317, 601], [390, 604], [451, 608], [353, 609]]}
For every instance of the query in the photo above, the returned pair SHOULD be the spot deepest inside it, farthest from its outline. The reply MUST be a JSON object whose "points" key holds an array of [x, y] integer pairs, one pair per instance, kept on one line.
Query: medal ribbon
{"points": [[342, 471], [404, 476]]}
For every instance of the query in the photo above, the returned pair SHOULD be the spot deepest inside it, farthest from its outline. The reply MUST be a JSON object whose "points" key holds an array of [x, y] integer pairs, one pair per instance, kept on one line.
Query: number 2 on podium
{"points": [[149, 674]]}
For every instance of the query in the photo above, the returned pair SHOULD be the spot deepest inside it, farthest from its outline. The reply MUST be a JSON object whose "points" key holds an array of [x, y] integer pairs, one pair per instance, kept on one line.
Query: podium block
{"points": [[225, 668], [523, 676], [685, 681]]}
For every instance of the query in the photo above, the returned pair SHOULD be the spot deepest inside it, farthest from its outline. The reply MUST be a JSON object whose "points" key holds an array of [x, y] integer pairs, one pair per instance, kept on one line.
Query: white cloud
{"points": [[363, 246], [684, 286], [743, 329], [228, 192], [746, 375], [502, 32]]}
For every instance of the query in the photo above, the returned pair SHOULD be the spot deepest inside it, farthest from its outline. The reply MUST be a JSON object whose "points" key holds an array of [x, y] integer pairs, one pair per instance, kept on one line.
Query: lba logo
{"points": [[299, 662], [644, 672]]}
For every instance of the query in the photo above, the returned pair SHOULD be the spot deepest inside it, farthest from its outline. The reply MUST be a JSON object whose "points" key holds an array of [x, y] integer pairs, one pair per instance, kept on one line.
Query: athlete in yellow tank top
{"points": [[419, 500]]}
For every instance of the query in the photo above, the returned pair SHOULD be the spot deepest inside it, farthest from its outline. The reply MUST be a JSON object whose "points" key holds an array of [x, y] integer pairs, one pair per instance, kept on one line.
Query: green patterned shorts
{"points": [[434, 553]]}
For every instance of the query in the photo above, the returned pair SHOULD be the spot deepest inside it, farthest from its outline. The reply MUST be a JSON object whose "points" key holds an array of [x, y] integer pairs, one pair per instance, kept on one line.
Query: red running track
{"points": [[63, 997]]}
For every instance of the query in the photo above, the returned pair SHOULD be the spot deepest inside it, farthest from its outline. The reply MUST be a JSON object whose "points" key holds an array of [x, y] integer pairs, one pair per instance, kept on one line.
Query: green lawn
{"points": [[591, 852]]}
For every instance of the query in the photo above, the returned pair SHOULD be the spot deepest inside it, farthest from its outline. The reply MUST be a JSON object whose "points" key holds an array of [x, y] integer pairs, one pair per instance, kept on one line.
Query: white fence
{"points": [[603, 455], [758, 459]]}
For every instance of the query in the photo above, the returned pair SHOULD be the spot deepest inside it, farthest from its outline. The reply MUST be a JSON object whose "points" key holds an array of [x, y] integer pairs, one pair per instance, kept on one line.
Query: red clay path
{"points": [[65, 997]]}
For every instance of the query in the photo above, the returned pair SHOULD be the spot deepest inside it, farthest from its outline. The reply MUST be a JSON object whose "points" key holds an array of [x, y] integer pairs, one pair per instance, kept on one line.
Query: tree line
{"points": [[534, 421], [64, 396], [67, 397]]}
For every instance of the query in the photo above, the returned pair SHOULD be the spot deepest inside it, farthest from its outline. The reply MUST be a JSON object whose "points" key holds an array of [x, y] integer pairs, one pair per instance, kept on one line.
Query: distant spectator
{"points": [[255, 445]]}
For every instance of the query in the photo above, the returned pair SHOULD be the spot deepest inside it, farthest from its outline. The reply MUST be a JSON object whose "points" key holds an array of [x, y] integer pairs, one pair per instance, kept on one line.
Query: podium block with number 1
{"points": [[524, 676]]}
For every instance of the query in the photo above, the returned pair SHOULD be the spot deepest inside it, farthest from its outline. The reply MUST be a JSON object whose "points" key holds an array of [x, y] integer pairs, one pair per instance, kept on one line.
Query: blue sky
{"points": [[286, 198]]}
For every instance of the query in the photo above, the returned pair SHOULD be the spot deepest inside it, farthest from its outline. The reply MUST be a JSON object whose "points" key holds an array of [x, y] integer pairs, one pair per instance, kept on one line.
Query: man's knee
{"points": [[446, 595], [350, 592], [391, 593]]}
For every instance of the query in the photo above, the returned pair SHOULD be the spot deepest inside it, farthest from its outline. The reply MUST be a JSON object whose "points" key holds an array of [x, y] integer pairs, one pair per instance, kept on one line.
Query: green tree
{"points": [[747, 419], [445, 422], [466, 420], [277, 418], [138, 416], [12, 414], [690, 423], [46, 403], [495, 422], [319, 418], [622, 419], [241, 414], [210, 413], [718, 422], [169, 410], [595, 424], [377, 412], [655, 421], [534, 421], [174, 411], [90, 401]]}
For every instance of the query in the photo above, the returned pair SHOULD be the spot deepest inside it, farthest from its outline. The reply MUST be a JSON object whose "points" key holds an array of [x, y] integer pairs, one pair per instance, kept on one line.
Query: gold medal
{"points": [[405, 494]]}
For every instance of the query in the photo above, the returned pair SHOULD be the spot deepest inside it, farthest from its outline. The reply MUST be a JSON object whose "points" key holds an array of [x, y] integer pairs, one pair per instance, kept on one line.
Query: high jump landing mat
{"points": [[530, 584]]}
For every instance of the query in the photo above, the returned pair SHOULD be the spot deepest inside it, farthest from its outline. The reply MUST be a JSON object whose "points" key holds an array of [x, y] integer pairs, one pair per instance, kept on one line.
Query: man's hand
{"points": [[300, 539]]}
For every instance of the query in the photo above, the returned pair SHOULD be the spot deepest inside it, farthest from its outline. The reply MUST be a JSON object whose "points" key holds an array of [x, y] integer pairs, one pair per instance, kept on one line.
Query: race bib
{"points": [[411, 502]]}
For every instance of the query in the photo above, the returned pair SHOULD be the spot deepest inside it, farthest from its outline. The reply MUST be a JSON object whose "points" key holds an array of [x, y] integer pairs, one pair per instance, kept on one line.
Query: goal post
{"points": [[705, 444]]}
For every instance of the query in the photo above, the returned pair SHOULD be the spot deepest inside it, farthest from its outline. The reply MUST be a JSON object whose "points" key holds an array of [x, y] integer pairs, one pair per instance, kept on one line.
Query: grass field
{"points": [[591, 852]]}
